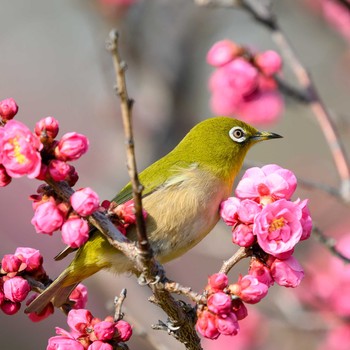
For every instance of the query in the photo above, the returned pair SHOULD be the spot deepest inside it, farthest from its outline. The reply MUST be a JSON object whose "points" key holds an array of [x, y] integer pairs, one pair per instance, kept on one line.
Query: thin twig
{"points": [[329, 243], [174, 287], [231, 262], [126, 109], [118, 304]]}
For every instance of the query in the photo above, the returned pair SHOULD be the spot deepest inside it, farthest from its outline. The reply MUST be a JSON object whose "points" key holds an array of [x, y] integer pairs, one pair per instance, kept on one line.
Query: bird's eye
{"points": [[237, 134]]}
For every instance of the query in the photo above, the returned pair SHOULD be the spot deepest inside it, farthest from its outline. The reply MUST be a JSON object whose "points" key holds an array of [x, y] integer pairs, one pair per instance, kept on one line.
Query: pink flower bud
{"points": [[219, 303], [5, 179], [225, 102], [73, 176], [62, 342], [8, 108], [19, 150], [206, 325], [47, 218], [10, 308], [43, 172], [16, 289], [218, 282], [287, 273], [10, 263], [261, 272], [269, 62], [71, 146], [247, 211], [228, 210], [47, 127], [79, 296], [100, 345], [85, 201], [45, 313], [222, 52], [243, 236], [249, 289], [79, 320], [104, 330], [227, 325], [124, 330], [306, 221], [239, 309], [75, 232], [59, 170], [31, 257]]}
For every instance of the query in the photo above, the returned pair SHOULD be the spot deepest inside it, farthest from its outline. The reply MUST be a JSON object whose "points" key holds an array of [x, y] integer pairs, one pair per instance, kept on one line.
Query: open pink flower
{"points": [[47, 218], [19, 150], [71, 146], [266, 184], [287, 273], [277, 226], [79, 320], [75, 232], [85, 201]]}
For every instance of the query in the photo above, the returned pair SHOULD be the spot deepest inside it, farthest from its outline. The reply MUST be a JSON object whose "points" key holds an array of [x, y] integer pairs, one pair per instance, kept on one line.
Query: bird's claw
{"points": [[144, 280]]}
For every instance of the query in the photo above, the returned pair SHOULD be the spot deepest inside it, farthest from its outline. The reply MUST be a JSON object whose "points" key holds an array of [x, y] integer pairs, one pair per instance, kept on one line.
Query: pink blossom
{"points": [[124, 330], [5, 179], [47, 218], [247, 211], [306, 221], [287, 273], [58, 170], [63, 343], [45, 313], [266, 184], [8, 108], [75, 232], [126, 213], [269, 62], [73, 176], [9, 307], [85, 201], [227, 325], [71, 146], [218, 282], [100, 345], [228, 210], [243, 235], [239, 309], [30, 256], [104, 330], [10, 263], [19, 150], [225, 102], [79, 320], [222, 52], [261, 107], [249, 289], [261, 272], [16, 289], [206, 325], [219, 303], [79, 296], [277, 226], [47, 127]]}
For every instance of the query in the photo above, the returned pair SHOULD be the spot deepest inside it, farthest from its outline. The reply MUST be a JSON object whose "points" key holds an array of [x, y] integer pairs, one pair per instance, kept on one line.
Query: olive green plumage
{"points": [[182, 195]]}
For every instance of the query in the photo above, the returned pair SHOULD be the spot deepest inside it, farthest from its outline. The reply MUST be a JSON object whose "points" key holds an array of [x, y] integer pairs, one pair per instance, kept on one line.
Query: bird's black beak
{"points": [[265, 135]]}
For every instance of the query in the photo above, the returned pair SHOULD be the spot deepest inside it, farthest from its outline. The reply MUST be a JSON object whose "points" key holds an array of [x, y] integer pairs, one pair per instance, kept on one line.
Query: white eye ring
{"points": [[237, 134]]}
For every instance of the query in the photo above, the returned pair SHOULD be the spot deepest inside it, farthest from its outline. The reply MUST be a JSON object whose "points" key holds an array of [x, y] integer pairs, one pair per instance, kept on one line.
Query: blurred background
{"points": [[53, 62]]}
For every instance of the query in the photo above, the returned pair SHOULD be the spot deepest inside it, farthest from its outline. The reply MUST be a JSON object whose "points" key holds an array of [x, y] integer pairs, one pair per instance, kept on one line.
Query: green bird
{"points": [[182, 196]]}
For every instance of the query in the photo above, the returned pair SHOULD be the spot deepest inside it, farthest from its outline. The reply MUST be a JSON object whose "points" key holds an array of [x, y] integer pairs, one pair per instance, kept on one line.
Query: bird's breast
{"points": [[184, 211]]}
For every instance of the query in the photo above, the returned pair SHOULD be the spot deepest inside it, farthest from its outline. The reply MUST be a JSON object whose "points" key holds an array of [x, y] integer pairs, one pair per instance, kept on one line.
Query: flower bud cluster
{"points": [[51, 214], [243, 84], [223, 310], [14, 288], [36, 155], [91, 333], [264, 218]]}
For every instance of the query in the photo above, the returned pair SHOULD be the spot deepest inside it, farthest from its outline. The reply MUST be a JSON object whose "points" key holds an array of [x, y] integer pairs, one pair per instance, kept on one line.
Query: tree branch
{"points": [[230, 263]]}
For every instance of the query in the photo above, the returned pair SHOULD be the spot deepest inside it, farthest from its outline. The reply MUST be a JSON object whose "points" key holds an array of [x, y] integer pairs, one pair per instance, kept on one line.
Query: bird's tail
{"points": [[57, 293]]}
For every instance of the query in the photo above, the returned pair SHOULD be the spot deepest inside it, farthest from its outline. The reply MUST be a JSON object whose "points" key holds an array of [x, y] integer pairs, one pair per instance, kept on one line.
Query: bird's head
{"points": [[221, 143]]}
